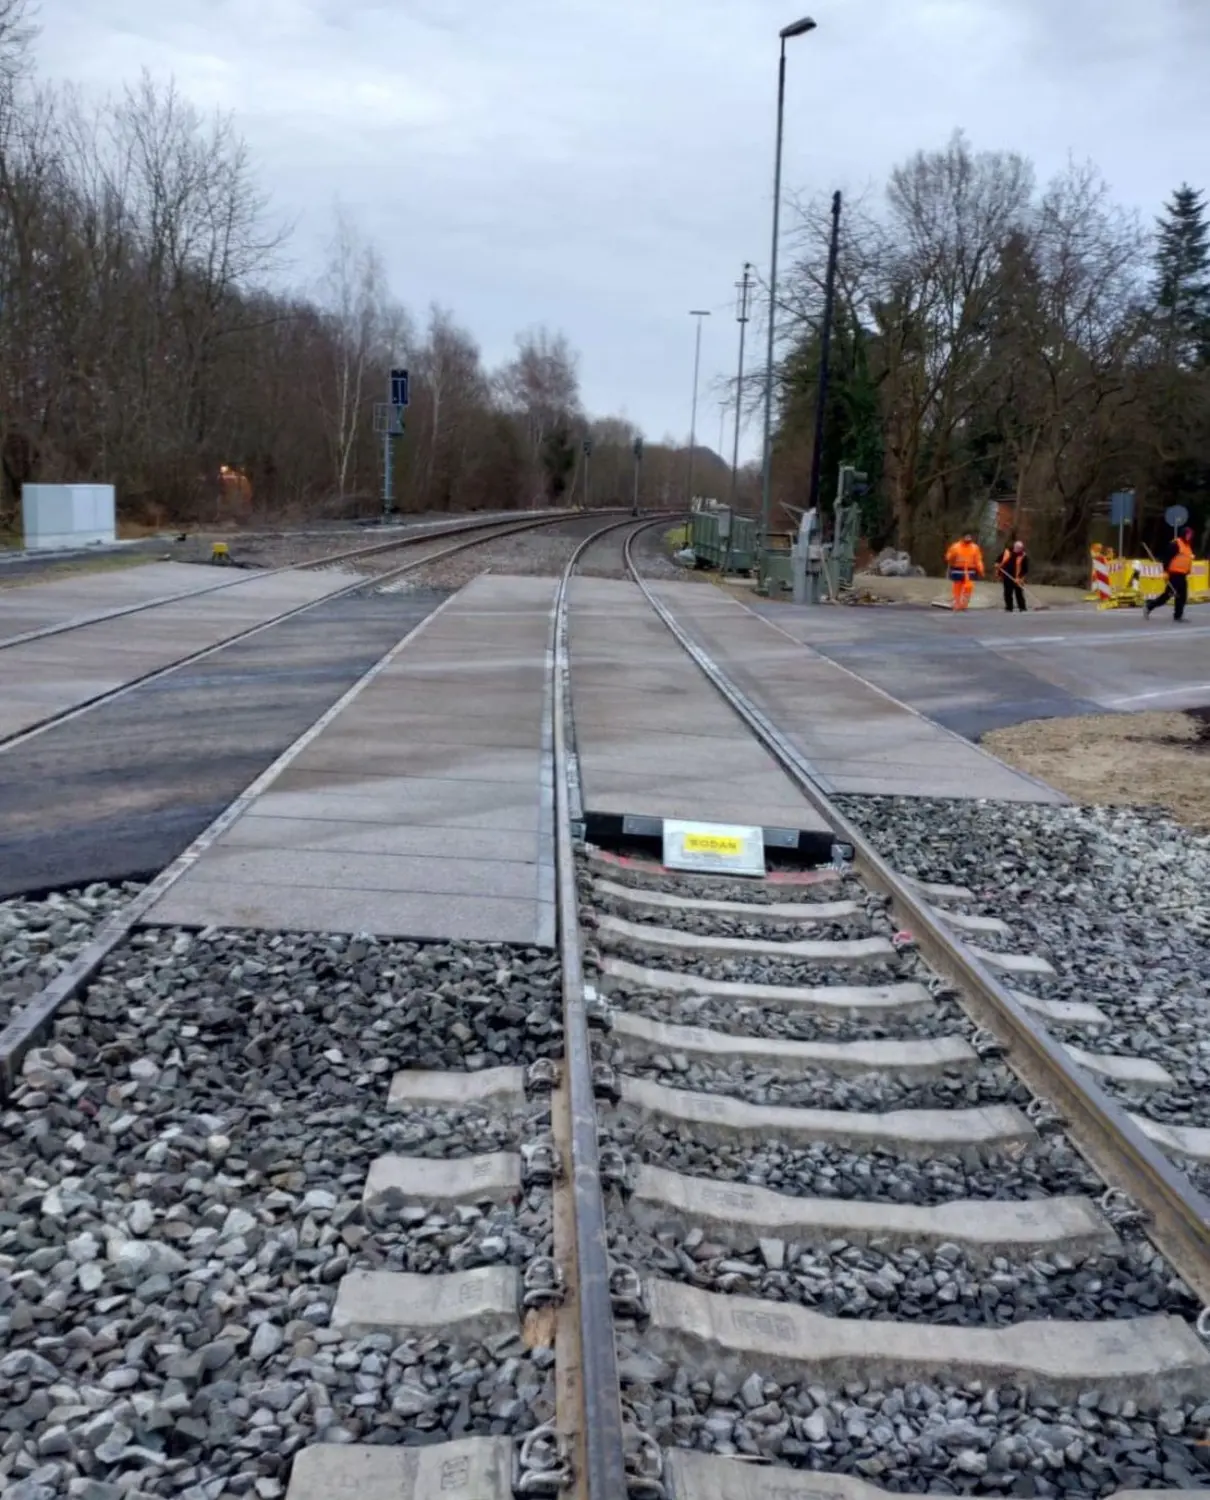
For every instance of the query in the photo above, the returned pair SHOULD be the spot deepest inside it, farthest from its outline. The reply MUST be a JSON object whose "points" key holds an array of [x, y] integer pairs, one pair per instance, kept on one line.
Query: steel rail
{"points": [[434, 532], [1178, 1215], [601, 1471], [64, 715]]}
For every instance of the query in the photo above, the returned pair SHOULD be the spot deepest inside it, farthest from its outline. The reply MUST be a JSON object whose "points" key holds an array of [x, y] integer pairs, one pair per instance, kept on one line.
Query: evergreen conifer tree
{"points": [[1182, 280]]}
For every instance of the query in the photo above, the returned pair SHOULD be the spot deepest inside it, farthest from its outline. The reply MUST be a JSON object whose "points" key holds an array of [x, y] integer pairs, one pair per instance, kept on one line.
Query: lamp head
{"points": [[798, 28]]}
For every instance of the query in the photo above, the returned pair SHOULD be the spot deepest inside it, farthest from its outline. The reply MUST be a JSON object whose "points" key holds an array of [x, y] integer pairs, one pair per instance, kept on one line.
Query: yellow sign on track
{"points": [[716, 848]]}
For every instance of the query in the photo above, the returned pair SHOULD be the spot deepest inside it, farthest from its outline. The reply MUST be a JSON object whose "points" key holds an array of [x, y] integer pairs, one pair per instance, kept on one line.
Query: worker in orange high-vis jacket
{"points": [[1178, 564], [965, 563]]}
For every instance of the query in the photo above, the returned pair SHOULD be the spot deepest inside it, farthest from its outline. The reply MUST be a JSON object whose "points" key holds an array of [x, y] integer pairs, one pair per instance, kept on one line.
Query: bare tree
{"points": [[17, 31], [368, 330], [541, 385]]}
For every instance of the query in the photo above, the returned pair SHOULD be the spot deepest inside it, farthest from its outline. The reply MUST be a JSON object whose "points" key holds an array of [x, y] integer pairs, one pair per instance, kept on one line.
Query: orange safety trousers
{"points": [[963, 589]]}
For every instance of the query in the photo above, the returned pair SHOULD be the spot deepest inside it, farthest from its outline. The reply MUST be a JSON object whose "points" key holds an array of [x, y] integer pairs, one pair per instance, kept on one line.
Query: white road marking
{"points": [[1173, 692], [1107, 638]]}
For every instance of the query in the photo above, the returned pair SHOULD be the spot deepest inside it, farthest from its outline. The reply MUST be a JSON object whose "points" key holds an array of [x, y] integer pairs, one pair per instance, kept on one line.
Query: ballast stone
{"points": [[477, 1468], [1154, 1359], [474, 1304], [740, 1216]]}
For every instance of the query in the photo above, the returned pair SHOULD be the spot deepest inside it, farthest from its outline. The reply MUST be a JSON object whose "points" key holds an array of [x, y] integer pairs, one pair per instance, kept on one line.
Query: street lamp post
{"points": [[799, 28], [699, 313], [744, 287]]}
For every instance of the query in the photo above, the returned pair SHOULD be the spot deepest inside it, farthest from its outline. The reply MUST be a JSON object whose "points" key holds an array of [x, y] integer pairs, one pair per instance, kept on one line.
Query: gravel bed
{"points": [[851, 1281], [653, 557], [767, 970], [818, 1088], [181, 1174], [527, 554], [1118, 900], [1175, 1044], [740, 1018], [38, 939], [947, 1439], [822, 1170]]}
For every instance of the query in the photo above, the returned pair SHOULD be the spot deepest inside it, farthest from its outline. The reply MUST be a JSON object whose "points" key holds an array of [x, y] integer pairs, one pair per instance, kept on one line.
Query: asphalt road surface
{"points": [[988, 670]]}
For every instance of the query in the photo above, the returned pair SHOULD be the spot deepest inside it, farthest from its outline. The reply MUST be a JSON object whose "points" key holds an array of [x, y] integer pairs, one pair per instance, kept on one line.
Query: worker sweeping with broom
{"points": [[1012, 571]]}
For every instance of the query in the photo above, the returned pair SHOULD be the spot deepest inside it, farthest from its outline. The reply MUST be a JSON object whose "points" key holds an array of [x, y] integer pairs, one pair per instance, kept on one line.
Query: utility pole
{"points": [[744, 288], [825, 349], [699, 314], [587, 465]]}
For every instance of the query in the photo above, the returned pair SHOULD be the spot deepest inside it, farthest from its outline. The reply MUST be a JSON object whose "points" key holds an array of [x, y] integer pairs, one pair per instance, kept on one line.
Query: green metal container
{"points": [[777, 571], [723, 540]]}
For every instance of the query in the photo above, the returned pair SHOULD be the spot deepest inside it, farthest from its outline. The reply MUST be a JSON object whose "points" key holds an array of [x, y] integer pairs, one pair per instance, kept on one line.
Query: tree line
{"points": [[999, 342], [144, 340]]}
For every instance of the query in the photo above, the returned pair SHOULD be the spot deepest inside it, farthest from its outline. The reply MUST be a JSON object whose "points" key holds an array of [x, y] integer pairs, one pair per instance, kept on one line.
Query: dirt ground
{"points": [[1139, 760]]}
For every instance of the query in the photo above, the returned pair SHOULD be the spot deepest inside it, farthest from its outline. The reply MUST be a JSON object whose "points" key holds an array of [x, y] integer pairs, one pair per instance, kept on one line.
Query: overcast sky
{"points": [[602, 166]]}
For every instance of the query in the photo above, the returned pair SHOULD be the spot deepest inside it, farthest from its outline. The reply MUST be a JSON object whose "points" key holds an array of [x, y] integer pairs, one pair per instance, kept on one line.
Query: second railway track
{"points": [[751, 1191], [92, 684]]}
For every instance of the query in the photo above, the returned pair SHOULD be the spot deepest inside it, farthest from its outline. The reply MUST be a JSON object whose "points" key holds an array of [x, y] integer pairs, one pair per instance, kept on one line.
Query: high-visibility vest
{"points": [[1182, 562], [964, 559]]}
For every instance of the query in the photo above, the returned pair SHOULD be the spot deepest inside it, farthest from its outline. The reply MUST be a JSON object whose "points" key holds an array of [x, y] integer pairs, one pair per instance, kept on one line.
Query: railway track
{"points": [[406, 538], [753, 1190], [87, 692]]}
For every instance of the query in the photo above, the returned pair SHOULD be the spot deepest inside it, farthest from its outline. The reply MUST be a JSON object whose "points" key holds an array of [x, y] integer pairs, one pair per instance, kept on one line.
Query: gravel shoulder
{"points": [[1119, 760], [38, 939], [182, 1169]]}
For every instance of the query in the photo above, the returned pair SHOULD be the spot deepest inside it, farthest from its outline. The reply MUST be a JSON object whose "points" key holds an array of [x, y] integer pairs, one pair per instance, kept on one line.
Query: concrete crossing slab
{"points": [[61, 672], [41, 605], [654, 739], [859, 739], [388, 821]]}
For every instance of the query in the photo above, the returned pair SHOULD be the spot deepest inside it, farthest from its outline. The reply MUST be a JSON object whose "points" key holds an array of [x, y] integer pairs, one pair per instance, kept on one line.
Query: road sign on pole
{"points": [[1176, 516], [1121, 513], [399, 388]]}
